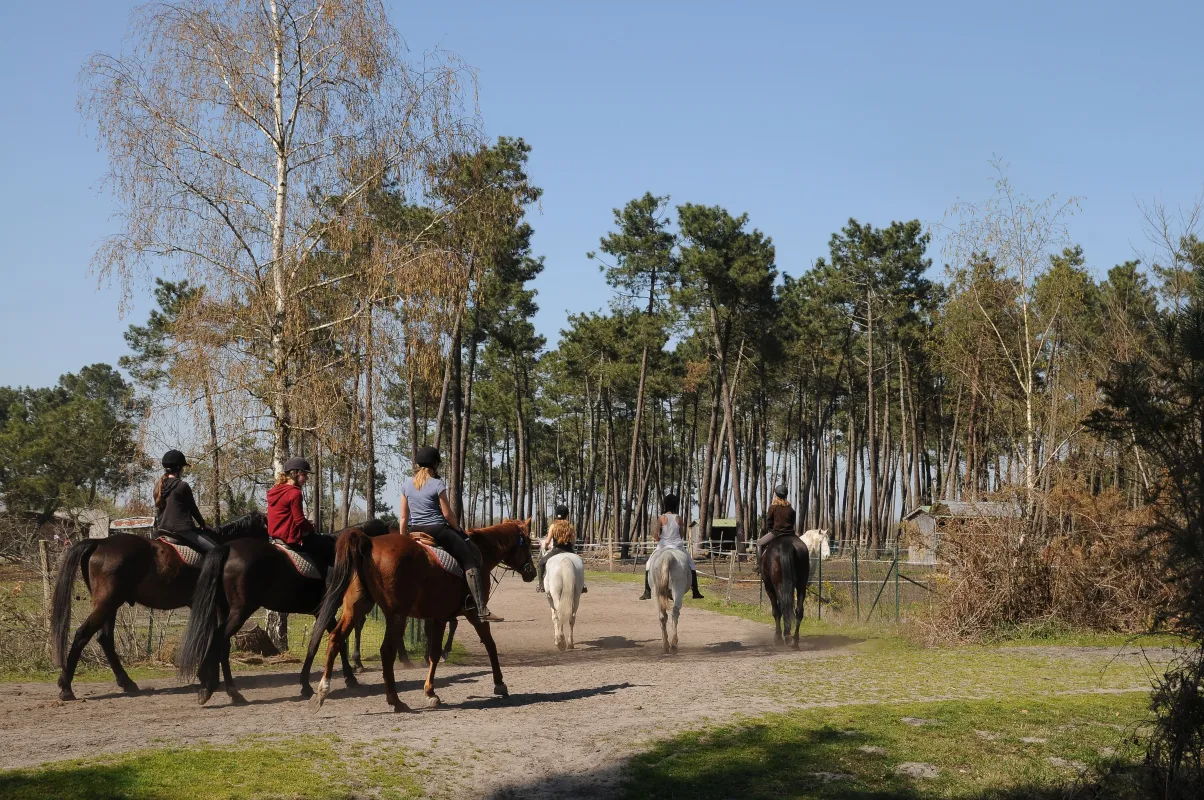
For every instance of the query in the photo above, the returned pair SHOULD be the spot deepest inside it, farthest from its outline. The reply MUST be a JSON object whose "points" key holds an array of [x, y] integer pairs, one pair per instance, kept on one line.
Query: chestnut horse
{"points": [[126, 568], [402, 577]]}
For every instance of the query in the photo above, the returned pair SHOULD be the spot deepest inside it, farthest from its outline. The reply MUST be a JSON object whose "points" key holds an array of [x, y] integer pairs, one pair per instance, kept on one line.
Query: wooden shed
{"points": [[931, 521]]}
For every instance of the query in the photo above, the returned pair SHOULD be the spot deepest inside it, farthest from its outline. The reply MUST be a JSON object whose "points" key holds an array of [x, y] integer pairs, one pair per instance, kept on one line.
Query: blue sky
{"points": [[801, 114]]}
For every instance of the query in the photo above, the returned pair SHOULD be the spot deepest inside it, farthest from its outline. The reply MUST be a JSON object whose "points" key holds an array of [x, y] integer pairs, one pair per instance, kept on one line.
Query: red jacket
{"points": [[286, 521]]}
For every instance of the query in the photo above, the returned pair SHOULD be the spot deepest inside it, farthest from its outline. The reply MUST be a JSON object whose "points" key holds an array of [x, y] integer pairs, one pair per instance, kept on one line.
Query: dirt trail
{"points": [[579, 712]]}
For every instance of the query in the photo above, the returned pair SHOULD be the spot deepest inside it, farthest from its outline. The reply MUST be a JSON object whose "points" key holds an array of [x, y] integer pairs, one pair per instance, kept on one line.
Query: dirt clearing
{"points": [[575, 711]]}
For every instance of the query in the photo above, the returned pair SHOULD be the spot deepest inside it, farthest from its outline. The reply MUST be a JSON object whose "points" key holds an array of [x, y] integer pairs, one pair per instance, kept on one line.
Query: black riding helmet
{"points": [[296, 464], [670, 503], [174, 459], [562, 511], [428, 457], [782, 490]]}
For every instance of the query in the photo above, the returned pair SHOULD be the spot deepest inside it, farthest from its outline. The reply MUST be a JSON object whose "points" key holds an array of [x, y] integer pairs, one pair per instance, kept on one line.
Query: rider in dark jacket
{"points": [[176, 513]]}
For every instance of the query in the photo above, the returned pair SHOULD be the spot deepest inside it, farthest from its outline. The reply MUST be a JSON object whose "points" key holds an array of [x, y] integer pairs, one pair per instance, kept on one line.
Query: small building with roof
{"points": [[928, 523]]}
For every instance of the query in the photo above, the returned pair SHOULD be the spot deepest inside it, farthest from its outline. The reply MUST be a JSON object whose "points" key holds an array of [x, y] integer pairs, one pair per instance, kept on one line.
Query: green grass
{"points": [[257, 767], [816, 753]]}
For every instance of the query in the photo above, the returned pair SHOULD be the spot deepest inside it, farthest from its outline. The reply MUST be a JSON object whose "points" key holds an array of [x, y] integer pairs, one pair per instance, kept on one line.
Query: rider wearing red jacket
{"points": [[286, 518]]}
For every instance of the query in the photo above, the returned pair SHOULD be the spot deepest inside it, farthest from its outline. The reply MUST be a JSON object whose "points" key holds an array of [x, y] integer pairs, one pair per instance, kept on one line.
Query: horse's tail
{"points": [[786, 581], [75, 559], [203, 618], [351, 550]]}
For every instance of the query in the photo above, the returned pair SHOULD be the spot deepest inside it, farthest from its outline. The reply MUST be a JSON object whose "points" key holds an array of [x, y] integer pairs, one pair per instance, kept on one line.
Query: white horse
{"points": [[817, 543], [562, 581], [669, 579]]}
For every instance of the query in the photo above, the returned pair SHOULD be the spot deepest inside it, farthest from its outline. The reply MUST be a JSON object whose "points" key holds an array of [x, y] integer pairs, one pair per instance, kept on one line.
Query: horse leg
{"points": [[355, 650], [482, 629], [334, 643], [233, 624], [798, 618], [664, 613], [557, 634], [434, 640], [349, 679], [394, 634], [675, 615], [105, 637], [772, 593], [451, 635], [87, 629]]}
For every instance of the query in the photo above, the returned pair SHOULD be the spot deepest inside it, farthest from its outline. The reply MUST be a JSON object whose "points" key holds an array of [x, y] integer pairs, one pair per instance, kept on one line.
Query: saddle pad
{"points": [[302, 562], [187, 554], [445, 559]]}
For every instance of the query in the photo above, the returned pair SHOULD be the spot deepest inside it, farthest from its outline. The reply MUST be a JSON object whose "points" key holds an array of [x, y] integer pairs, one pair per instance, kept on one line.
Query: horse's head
{"points": [[518, 555]]}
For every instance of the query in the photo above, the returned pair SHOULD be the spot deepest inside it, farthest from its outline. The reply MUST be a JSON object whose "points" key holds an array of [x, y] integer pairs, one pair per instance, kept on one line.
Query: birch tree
{"points": [[239, 134]]}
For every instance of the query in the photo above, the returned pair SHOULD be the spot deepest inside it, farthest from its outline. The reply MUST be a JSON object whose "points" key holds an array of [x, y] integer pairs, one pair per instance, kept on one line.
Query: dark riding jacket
{"points": [[179, 514]]}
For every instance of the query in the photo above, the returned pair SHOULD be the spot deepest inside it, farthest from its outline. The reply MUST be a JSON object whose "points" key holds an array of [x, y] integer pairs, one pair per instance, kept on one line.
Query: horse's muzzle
{"points": [[528, 572]]}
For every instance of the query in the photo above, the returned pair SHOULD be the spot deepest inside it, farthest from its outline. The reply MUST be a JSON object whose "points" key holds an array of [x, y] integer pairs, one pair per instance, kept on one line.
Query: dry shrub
{"points": [[1082, 564]]}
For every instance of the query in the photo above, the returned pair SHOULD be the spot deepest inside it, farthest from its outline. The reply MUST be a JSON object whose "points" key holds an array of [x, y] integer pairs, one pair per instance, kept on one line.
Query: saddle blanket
{"points": [[302, 562], [188, 555], [445, 559]]}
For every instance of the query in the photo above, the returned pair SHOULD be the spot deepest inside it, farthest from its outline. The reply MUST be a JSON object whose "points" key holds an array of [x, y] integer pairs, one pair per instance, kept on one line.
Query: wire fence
{"points": [[880, 584]]}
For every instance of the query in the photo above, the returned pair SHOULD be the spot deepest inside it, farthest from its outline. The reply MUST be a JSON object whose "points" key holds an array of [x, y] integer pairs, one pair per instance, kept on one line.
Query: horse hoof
{"points": [[501, 690], [67, 695], [350, 682], [360, 668], [316, 701], [131, 689], [561, 646], [447, 657], [673, 650], [236, 699], [307, 691], [399, 707], [433, 701], [202, 696]]}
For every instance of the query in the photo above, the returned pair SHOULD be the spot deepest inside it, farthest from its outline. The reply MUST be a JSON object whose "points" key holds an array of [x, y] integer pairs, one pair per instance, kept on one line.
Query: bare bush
{"points": [[1082, 564]]}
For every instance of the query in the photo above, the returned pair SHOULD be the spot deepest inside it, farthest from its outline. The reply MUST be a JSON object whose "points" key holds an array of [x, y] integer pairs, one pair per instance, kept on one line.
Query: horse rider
{"points": [[176, 513], [779, 519], [668, 534], [561, 538], [424, 507], [286, 518]]}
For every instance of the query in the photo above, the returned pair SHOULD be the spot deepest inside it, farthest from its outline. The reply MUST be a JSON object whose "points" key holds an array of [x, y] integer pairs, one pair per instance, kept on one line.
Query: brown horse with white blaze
{"points": [[405, 579]]}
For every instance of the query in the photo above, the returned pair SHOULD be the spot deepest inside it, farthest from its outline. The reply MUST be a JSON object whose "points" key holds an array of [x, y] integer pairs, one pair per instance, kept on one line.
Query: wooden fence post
{"points": [[731, 567], [44, 552]]}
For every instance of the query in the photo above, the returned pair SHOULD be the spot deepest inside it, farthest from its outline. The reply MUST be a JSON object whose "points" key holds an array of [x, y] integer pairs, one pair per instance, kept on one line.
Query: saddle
{"points": [[304, 564], [445, 559], [189, 555]]}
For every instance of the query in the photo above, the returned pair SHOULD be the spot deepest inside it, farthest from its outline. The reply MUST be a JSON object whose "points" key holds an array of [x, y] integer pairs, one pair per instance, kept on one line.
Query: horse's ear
{"points": [[527, 522]]}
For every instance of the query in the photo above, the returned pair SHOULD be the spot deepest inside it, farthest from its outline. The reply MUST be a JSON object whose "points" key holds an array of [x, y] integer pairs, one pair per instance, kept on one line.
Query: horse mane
{"points": [[489, 534], [248, 525]]}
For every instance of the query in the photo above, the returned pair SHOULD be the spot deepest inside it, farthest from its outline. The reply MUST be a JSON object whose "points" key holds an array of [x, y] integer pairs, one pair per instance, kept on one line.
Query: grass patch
{"points": [[257, 767], [978, 749]]}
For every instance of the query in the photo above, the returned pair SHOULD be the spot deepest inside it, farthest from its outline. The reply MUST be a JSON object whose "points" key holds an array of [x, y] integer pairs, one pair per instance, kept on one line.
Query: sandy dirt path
{"points": [[576, 712]]}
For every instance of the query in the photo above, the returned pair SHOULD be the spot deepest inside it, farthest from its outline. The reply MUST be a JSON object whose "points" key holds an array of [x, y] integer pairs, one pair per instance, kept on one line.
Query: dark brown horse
{"points": [[402, 577], [125, 568], [785, 570], [237, 580]]}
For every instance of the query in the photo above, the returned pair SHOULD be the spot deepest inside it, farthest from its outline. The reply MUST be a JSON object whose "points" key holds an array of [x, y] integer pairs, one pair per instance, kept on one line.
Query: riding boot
{"points": [[476, 587], [694, 585], [539, 577], [647, 595]]}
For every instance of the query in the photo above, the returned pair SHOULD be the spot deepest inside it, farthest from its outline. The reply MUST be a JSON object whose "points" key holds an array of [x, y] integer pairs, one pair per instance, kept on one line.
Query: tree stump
{"points": [[256, 640]]}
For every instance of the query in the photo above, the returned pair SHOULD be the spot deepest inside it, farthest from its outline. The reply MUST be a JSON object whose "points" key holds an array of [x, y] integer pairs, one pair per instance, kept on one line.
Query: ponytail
{"points": [[280, 478], [423, 474], [160, 500]]}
